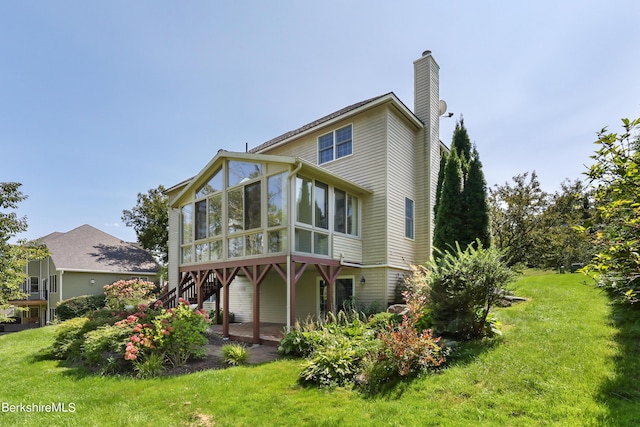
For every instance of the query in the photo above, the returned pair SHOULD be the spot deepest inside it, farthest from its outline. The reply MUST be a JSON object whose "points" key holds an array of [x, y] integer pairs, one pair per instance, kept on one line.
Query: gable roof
{"points": [[185, 188], [181, 188], [366, 104], [88, 249]]}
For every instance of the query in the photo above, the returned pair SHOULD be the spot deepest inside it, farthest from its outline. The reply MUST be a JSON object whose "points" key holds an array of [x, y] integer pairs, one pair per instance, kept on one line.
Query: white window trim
{"points": [[334, 145], [413, 219]]}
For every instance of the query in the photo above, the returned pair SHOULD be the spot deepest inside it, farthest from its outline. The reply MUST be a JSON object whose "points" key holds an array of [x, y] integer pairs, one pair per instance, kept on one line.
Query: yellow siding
{"points": [[349, 247], [402, 184], [366, 166], [240, 299], [273, 299]]}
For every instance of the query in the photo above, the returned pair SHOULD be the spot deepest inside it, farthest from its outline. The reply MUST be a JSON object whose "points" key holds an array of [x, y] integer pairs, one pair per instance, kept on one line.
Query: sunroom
{"points": [[263, 217]]}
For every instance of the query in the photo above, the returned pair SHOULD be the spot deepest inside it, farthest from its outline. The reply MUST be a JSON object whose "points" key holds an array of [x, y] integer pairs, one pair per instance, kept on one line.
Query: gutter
{"points": [[363, 266]]}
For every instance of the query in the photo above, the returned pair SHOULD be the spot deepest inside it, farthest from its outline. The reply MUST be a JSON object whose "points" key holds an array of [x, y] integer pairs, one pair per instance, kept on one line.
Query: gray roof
{"points": [[313, 124], [87, 248]]}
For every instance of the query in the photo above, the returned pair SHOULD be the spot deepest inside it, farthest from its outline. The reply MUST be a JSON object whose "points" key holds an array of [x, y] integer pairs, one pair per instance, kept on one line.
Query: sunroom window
{"points": [[238, 172], [345, 213], [212, 186], [312, 213]]}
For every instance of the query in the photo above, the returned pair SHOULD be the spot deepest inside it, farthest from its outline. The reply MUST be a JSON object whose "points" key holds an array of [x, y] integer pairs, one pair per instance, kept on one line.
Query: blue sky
{"points": [[100, 101]]}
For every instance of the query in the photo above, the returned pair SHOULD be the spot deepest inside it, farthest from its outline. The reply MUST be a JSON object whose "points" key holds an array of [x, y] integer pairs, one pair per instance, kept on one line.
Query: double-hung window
{"points": [[335, 145], [408, 218]]}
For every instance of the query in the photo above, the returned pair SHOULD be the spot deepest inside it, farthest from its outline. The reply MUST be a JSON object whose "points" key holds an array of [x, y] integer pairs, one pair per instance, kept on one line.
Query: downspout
{"points": [[291, 230], [60, 288]]}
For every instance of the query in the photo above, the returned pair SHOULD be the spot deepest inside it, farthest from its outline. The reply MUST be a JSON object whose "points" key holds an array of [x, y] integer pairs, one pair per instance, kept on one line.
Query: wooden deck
{"points": [[270, 333]]}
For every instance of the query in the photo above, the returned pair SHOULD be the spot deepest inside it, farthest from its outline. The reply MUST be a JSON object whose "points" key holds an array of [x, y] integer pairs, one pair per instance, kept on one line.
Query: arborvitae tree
{"points": [[468, 219], [477, 218], [449, 219], [462, 145], [443, 164]]}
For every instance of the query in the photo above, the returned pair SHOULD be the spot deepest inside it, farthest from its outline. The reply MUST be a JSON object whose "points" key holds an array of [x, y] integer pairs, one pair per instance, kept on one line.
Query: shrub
{"points": [[123, 294], [235, 354], [79, 306], [150, 366], [299, 342], [465, 286], [214, 317], [69, 336], [177, 333], [381, 321], [335, 363], [411, 350], [304, 338], [104, 342]]}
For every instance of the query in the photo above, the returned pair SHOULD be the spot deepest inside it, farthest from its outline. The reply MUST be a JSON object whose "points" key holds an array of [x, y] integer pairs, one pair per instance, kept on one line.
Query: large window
{"points": [[238, 172], [214, 207], [212, 186], [312, 211], [321, 199], [304, 187], [252, 205], [277, 200], [335, 145], [201, 220], [345, 218], [277, 213], [408, 218], [187, 224]]}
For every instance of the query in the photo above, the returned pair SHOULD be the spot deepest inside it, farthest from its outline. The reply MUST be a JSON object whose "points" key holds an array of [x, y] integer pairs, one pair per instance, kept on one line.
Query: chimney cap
{"points": [[426, 52]]}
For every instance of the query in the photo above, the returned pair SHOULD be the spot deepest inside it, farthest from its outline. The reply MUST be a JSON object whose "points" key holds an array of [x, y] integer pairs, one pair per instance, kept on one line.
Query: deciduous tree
{"points": [[516, 217], [150, 220], [615, 176], [13, 257]]}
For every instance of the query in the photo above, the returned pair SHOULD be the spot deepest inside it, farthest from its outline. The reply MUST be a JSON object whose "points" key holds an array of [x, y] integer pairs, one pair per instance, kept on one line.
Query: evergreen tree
{"points": [[462, 145], [443, 164], [465, 216], [449, 219], [476, 205]]}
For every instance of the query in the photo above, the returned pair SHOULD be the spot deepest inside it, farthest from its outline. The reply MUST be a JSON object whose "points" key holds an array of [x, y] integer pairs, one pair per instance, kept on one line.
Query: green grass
{"points": [[567, 358]]}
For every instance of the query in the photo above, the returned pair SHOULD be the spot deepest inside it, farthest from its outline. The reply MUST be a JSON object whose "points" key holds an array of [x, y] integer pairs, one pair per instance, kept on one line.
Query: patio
{"points": [[270, 333]]}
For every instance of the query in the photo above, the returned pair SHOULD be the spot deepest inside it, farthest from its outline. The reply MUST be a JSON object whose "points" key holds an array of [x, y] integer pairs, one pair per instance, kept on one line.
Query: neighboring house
{"points": [[81, 262], [329, 213]]}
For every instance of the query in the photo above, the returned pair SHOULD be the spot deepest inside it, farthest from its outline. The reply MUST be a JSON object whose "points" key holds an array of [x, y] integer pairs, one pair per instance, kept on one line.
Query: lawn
{"points": [[567, 357]]}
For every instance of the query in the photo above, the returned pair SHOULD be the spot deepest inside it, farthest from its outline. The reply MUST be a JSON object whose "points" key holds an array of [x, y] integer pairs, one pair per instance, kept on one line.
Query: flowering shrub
{"points": [[125, 293], [176, 334]]}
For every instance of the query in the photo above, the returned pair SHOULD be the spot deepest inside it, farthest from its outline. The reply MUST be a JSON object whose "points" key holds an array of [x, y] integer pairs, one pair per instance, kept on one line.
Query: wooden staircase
{"points": [[188, 290]]}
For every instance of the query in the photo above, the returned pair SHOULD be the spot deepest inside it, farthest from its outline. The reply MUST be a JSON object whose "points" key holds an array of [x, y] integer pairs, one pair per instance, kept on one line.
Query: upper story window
{"points": [[408, 218], [35, 284], [335, 144]]}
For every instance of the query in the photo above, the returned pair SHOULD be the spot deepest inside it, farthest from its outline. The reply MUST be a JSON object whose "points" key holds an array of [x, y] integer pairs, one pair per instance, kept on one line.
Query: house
{"points": [[81, 262], [329, 213]]}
